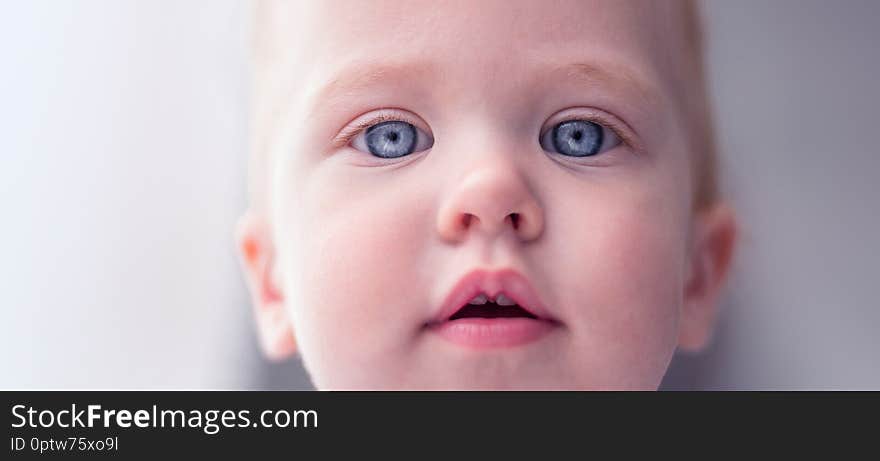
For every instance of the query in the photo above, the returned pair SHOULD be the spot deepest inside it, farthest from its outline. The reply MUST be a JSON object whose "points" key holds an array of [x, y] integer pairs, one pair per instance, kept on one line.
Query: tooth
{"points": [[480, 299], [502, 300]]}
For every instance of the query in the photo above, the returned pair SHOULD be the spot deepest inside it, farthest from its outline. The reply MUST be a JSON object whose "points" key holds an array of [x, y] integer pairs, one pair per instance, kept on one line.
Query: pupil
{"points": [[392, 136], [577, 135]]}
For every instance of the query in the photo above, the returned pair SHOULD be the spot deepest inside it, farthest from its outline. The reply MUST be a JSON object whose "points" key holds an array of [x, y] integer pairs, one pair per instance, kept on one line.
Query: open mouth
{"points": [[483, 308], [498, 322], [492, 311]]}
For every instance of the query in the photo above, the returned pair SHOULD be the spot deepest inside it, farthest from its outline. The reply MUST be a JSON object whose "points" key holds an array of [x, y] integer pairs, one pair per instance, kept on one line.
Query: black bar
{"points": [[416, 422]]}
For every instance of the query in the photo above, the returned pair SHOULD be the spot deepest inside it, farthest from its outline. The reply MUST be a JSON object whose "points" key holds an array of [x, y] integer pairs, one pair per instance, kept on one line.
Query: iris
{"points": [[577, 138], [391, 139]]}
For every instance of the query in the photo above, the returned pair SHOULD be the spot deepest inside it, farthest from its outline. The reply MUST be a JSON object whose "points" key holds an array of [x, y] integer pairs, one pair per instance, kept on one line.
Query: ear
{"points": [[712, 248], [256, 253]]}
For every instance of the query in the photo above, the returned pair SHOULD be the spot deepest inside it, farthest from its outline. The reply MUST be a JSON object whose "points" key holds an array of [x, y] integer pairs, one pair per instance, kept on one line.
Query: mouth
{"points": [[492, 309], [482, 308]]}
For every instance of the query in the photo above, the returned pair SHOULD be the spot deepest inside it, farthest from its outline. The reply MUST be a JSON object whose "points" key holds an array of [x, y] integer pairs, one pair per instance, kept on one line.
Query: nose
{"points": [[490, 200]]}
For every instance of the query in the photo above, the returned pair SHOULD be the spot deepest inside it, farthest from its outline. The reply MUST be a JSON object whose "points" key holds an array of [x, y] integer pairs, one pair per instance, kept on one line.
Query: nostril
{"points": [[514, 219], [467, 220]]}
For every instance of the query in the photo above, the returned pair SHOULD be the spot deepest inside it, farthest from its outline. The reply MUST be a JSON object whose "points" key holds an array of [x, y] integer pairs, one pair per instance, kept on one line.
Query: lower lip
{"points": [[494, 332]]}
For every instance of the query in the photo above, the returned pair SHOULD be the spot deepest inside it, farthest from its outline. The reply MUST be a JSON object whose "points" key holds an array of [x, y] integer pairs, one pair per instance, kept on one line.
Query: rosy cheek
{"points": [[622, 267], [361, 254]]}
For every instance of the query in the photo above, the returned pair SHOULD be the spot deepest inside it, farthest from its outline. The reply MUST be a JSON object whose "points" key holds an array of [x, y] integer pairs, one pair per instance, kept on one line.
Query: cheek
{"points": [[619, 269], [352, 258]]}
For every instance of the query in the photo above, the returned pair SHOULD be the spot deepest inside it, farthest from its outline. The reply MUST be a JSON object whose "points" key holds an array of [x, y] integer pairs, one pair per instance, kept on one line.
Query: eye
{"points": [[578, 138], [392, 139]]}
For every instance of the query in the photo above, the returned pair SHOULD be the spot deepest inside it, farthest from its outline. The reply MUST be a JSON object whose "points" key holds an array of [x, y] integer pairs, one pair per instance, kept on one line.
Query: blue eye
{"points": [[392, 139], [578, 138]]}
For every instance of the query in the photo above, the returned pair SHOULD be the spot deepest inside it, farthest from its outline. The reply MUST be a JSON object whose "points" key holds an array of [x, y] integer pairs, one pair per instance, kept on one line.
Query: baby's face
{"points": [[431, 155]]}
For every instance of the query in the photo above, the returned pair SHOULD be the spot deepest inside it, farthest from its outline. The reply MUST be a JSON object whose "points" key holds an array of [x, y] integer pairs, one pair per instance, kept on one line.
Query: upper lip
{"points": [[492, 283]]}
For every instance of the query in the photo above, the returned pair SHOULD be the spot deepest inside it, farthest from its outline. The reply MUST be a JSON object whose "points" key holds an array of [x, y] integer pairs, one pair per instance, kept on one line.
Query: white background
{"points": [[122, 155], [123, 144]]}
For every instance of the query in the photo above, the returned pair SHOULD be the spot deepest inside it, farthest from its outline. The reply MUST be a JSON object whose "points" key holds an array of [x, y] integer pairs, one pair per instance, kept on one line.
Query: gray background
{"points": [[122, 162]]}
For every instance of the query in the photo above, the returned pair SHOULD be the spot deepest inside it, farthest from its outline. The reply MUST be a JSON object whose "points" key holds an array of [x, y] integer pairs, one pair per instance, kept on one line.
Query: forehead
{"points": [[488, 23], [323, 37]]}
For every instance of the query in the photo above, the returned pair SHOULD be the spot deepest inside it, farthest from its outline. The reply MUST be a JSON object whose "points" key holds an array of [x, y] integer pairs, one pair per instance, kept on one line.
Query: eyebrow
{"points": [[360, 76], [363, 75], [620, 77]]}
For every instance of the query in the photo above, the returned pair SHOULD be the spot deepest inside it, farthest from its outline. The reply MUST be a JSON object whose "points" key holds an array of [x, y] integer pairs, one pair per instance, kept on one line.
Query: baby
{"points": [[485, 194]]}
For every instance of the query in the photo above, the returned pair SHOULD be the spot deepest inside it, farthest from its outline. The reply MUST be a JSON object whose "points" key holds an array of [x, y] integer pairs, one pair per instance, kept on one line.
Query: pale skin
{"points": [[348, 255]]}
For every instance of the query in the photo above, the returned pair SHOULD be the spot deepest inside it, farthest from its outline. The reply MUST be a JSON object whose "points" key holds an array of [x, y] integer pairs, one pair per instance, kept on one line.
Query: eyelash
{"points": [[620, 128], [351, 131]]}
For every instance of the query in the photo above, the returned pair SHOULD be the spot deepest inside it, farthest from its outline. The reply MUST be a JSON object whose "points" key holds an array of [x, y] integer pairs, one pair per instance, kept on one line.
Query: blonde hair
{"points": [[699, 111]]}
